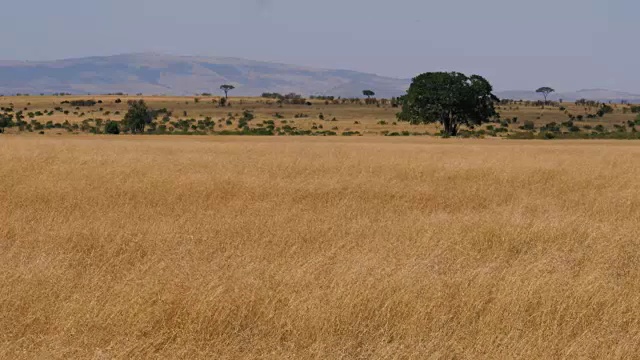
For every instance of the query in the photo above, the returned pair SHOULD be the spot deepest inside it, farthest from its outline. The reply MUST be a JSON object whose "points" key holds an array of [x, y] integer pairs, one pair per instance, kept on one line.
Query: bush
{"points": [[112, 127], [77, 103], [528, 125]]}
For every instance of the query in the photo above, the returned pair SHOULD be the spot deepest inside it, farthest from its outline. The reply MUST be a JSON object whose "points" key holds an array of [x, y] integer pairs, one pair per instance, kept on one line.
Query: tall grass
{"points": [[280, 248]]}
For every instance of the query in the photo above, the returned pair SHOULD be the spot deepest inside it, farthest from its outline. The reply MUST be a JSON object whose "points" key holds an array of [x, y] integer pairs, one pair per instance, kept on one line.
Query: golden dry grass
{"points": [[308, 248]]}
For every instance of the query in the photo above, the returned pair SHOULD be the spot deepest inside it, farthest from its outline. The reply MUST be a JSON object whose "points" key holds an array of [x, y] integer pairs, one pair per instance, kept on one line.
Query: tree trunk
{"points": [[450, 128]]}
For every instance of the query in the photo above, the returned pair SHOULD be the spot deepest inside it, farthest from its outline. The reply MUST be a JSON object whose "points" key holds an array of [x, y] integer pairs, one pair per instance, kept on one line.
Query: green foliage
{"points": [[528, 125], [604, 109], [273, 96], [112, 127], [5, 122], [77, 103], [452, 99], [247, 115], [138, 116]]}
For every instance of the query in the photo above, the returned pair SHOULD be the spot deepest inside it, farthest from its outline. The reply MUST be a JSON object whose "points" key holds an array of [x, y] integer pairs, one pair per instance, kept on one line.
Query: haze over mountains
{"points": [[186, 75], [151, 73], [589, 94]]}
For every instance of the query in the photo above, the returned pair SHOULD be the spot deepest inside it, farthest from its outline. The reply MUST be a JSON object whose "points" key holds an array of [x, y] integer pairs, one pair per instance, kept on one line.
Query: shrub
{"points": [[528, 125], [77, 103], [112, 127], [247, 115]]}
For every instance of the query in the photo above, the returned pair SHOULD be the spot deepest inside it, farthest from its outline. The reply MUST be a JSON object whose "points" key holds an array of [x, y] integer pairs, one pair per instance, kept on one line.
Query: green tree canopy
{"points": [[111, 127], [138, 116], [368, 93], [450, 98], [5, 121]]}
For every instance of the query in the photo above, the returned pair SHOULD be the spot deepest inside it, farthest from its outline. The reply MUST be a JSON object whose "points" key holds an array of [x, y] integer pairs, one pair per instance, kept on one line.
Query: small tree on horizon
{"points": [[226, 88], [368, 93], [545, 91]]}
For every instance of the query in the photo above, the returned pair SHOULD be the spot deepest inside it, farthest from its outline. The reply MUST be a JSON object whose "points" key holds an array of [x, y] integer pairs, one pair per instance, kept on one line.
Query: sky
{"points": [[515, 44]]}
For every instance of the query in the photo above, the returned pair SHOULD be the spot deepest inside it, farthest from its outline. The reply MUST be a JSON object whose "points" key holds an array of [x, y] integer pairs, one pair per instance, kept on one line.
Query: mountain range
{"points": [[588, 94], [151, 73], [161, 74]]}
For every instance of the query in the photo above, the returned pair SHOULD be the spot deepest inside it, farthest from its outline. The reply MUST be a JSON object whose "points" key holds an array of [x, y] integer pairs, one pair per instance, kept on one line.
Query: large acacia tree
{"points": [[450, 98]]}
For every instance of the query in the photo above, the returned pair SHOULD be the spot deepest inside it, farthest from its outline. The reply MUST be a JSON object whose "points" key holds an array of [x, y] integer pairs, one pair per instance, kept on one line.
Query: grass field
{"points": [[318, 248], [365, 119]]}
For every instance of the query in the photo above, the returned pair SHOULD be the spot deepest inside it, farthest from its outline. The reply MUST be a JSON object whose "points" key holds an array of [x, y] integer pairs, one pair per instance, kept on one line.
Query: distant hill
{"points": [[151, 73], [186, 75], [589, 94]]}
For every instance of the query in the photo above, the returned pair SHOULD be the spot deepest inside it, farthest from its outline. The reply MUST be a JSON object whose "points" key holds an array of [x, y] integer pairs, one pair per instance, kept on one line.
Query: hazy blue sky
{"points": [[516, 44]]}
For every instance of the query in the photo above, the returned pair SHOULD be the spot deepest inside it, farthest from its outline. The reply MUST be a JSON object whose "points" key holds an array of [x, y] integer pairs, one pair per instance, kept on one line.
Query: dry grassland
{"points": [[367, 119], [318, 248]]}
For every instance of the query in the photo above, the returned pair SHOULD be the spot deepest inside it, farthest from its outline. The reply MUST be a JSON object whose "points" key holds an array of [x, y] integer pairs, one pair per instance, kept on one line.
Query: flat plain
{"points": [[318, 247], [338, 116]]}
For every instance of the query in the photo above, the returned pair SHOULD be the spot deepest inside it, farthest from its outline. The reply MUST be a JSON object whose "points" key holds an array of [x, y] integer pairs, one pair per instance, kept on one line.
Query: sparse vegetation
{"points": [[181, 116]]}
